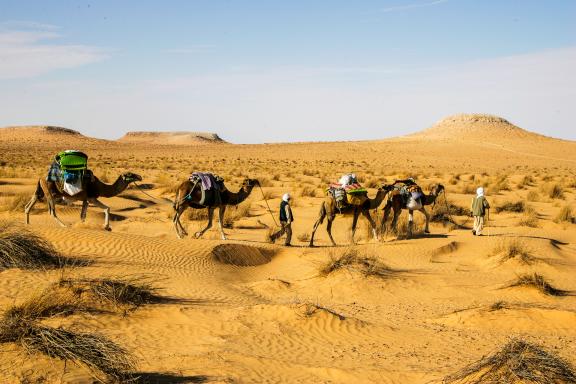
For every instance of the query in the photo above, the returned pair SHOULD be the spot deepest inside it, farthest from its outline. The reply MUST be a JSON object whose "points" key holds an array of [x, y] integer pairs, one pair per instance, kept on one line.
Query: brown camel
{"points": [[188, 196], [92, 189], [397, 203], [329, 209]]}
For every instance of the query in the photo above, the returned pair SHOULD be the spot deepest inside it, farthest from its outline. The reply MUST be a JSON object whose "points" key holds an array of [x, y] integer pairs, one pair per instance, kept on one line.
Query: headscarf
{"points": [[480, 192], [286, 197]]}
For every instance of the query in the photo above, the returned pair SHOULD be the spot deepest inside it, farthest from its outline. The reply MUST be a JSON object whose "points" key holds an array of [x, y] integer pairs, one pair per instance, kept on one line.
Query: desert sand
{"points": [[247, 311]]}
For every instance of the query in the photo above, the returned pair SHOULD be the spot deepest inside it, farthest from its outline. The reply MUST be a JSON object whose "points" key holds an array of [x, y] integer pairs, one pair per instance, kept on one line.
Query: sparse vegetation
{"points": [[553, 190], [352, 260], [509, 206], [529, 218], [20, 248], [565, 215], [533, 196], [513, 248], [125, 292], [539, 282], [519, 361]]}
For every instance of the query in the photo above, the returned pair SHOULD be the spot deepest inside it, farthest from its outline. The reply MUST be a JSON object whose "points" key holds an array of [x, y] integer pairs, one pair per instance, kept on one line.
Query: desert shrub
{"points": [[533, 196], [234, 213], [529, 218], [308, 191], [104, 358], [351, 260], [518, 362], [48, 303], [509, 206], [553, 190], [565, 215], [540, 283], [194, 214], [20, 248], [468, 189], [513, 248], [15, 203], [127, 292], [304, 237]]}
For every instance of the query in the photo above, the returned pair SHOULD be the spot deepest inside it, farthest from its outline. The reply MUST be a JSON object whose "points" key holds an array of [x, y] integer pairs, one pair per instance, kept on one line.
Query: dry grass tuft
{"points": [[553, 190], [518, 361], [533, 196], [565, 215], [513, 248], [20, 248], [15, 203], [237, 212], [539, 282], [529, 218], [352, 260], [518, 206], [48, 303], [126, 293], [97, 353]]}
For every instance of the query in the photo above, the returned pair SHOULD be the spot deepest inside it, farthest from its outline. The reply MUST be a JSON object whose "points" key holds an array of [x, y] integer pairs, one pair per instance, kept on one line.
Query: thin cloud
{"points": [[412, 6], [24, 53]]}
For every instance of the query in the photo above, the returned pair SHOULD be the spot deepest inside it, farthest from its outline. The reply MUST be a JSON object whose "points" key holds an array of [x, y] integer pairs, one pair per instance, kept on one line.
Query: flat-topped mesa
{"points": [[171, 138], [48, 129], [479, 126]]}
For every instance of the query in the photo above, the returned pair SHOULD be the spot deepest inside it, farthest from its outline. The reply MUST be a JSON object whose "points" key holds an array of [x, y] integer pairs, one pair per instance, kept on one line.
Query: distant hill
{"points": [[171, 138], [43, 134], [477, 126]]}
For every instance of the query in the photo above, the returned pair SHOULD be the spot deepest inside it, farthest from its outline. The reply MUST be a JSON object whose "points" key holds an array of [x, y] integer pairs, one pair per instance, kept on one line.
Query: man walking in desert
{"points": [[478, 208], [286, 219]]}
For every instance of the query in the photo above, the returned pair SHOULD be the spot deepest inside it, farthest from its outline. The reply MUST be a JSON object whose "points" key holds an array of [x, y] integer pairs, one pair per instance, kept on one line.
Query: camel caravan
{"points": [[70, 180]]}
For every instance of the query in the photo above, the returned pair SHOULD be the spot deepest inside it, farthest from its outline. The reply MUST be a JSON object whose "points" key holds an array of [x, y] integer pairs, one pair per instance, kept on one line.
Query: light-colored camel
{"points": [[329, 209], [92, 189], [396, 202], [189, 196]]}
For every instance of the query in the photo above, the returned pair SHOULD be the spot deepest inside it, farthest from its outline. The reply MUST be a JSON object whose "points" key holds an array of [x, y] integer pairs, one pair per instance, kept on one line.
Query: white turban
{"points": [[286, 197], [480, 191]]}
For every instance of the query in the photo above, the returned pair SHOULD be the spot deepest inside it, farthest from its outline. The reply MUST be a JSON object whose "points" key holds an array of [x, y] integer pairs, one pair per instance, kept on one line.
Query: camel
{"points": [[92, 189], [188, 196], [396, 203], [328, 210]]}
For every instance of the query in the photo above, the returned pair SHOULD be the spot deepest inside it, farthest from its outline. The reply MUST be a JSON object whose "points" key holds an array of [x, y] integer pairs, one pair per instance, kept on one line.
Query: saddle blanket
{"points": [[207, 180], [349, 188]]}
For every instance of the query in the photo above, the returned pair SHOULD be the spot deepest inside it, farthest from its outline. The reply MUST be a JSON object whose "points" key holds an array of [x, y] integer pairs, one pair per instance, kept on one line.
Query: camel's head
{"points": [[437, 189], [130, 177], [387, 187], [248, 184]]}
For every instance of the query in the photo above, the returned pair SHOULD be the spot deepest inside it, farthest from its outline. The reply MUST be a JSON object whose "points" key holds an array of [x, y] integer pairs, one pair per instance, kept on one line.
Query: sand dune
{"points": [[246, 311]]}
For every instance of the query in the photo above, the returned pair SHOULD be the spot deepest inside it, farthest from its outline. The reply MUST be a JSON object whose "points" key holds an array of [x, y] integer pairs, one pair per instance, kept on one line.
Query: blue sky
{"points": [[268, 71]]}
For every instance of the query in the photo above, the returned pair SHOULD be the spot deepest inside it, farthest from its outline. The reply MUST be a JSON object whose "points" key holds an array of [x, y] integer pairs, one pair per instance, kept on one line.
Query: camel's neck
{"points": [[111, 190], [375, 203], [431, 198], [238, 197]]}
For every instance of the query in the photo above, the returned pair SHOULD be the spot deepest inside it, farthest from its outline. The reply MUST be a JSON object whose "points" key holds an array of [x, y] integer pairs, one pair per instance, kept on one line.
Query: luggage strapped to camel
{"points": [[210, 185], [68, 170], [350, 194]]}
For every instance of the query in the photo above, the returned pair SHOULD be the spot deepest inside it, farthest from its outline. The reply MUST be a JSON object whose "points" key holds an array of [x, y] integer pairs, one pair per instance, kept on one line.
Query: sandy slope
{"points": [[251, 312]]}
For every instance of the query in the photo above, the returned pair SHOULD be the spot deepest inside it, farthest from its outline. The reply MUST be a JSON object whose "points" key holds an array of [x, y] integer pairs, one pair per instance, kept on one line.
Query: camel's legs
{"points": [[221, 211], [180, 231], [387, 209], [329, 229], [52, 210], [426, 230], [395, 219], [366, 213], [317, 223], [410, 221], [29, 207], [106, 209], [354, 223], [210, 216], [84, 209]]}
